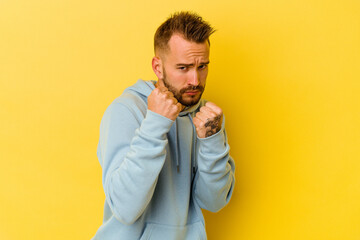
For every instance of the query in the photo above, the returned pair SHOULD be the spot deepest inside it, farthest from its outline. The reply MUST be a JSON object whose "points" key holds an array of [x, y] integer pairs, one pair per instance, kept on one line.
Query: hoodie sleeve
{"points": [[132, 153], [215, 176]]}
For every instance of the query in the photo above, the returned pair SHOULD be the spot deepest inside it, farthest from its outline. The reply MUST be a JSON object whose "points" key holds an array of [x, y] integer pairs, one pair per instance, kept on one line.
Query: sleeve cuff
{"points": [[155, 125]]}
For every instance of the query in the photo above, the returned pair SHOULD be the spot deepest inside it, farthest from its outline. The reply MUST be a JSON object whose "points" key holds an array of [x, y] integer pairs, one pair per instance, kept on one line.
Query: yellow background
{"points": [[285, 72]]}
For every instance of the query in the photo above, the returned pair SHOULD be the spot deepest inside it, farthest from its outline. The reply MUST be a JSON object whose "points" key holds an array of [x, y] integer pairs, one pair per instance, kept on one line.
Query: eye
{"points": [[203, 66], [183, 68]]}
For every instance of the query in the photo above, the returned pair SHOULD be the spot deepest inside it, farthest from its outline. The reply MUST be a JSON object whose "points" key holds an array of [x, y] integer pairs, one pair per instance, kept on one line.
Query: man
{"points": [[163, 149]]}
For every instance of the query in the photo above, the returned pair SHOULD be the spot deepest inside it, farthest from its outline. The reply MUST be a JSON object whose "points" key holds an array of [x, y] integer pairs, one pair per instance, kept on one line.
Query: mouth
{"points": [[192, 92]]}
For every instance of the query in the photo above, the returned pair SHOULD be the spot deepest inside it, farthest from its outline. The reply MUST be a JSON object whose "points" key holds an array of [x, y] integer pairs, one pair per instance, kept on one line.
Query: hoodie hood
{"points": [[143, 89]]}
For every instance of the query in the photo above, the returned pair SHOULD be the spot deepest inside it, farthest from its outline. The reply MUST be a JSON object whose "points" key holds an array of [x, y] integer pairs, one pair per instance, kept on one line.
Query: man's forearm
{"points": [[131, 166], [215, 177]]}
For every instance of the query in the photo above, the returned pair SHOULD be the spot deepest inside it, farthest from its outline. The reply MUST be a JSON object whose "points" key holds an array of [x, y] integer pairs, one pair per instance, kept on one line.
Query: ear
{"points": [[157, 67]]}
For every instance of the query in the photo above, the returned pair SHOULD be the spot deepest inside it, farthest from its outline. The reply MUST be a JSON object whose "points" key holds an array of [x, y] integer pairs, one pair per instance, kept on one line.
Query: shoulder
{"points": [[131, 100], [128, 105]]}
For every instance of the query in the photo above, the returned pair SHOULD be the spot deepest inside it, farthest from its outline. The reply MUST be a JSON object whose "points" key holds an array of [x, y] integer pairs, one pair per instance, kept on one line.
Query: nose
{"points": [[194, 79]]}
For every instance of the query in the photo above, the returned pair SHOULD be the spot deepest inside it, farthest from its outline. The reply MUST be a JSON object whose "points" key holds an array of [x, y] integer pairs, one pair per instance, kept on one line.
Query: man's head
{"points": [[182, 56]]}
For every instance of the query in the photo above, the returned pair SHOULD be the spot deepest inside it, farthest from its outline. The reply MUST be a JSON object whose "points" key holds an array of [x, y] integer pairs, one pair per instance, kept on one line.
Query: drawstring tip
{"points": [[178, 168]]}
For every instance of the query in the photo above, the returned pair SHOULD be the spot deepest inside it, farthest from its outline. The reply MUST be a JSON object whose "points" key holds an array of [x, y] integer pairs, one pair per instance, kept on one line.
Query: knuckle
{"points": [[209, 104], [219, 111], [156, 91], [203, 109], [163, 96]]}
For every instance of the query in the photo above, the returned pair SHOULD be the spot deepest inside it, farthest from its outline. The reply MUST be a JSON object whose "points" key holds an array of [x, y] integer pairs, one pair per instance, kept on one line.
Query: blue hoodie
{"points": [[157, 174]]}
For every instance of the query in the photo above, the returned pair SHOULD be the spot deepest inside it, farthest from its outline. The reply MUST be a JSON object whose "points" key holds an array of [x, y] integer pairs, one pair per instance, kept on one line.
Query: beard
{"points": [[178, 94]]}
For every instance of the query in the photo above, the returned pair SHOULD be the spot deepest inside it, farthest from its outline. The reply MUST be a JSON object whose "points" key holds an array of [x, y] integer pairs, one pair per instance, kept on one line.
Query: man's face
{"points": [[185, 68]]}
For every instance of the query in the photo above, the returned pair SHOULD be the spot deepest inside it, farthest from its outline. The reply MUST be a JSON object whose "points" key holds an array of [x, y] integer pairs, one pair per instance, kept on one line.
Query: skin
{"points": [[182, 71]]}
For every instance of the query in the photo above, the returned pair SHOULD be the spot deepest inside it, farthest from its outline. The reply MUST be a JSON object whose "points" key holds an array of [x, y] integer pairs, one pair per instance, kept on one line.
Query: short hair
{"points": [[189, 25]]}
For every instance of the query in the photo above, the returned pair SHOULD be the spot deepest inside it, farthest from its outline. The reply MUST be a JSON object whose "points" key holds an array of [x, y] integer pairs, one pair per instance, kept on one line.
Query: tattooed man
{"points": [[163, 149]]}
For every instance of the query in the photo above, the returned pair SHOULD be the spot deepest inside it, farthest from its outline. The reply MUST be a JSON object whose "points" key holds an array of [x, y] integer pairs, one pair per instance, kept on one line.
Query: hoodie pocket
{"points": [[195, 231]]}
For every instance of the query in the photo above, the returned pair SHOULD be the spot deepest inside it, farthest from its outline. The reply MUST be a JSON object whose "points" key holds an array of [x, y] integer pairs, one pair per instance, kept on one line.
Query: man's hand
{"points": [[162, 101], [208, 120]]}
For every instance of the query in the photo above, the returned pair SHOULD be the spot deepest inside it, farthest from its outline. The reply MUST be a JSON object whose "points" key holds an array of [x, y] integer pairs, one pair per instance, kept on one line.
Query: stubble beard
{"points": [[178, 94]]}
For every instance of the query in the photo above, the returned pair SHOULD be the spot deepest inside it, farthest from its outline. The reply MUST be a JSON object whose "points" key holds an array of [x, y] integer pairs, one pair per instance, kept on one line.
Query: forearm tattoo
{"points": [[212, 126]]}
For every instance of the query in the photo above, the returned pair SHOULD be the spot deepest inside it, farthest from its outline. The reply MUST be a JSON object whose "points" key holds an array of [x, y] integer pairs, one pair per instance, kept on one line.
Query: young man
{"points": [[163, 149]]}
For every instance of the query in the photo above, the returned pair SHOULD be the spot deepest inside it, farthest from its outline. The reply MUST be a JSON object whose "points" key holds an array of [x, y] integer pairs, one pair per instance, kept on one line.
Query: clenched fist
{"points": [[162, 101], [208, 120]]}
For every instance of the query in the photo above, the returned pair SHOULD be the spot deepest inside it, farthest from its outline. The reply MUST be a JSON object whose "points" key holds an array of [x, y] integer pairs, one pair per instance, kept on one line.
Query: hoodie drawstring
{"points": [[176, 145], [193, 146]]}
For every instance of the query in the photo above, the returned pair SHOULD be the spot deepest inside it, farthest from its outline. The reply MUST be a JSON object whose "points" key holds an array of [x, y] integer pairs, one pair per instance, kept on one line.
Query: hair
{"points": [[189, 25]]}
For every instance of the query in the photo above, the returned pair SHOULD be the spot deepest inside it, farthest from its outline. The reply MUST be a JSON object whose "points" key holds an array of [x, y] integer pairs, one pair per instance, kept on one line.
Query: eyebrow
{"points": [[191, 64]]}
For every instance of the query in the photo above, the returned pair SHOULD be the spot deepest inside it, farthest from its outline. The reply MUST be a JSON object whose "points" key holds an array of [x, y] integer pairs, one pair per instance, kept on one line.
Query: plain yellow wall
{"points": [[285, 72]]}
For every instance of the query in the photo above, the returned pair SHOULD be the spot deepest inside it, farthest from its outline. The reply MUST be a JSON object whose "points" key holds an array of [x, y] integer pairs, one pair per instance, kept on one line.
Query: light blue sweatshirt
{"points": [[157, 174]]}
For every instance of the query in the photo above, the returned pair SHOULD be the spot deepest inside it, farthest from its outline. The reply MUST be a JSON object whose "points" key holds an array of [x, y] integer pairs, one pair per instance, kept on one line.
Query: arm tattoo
{"points": [[212, 126]]}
